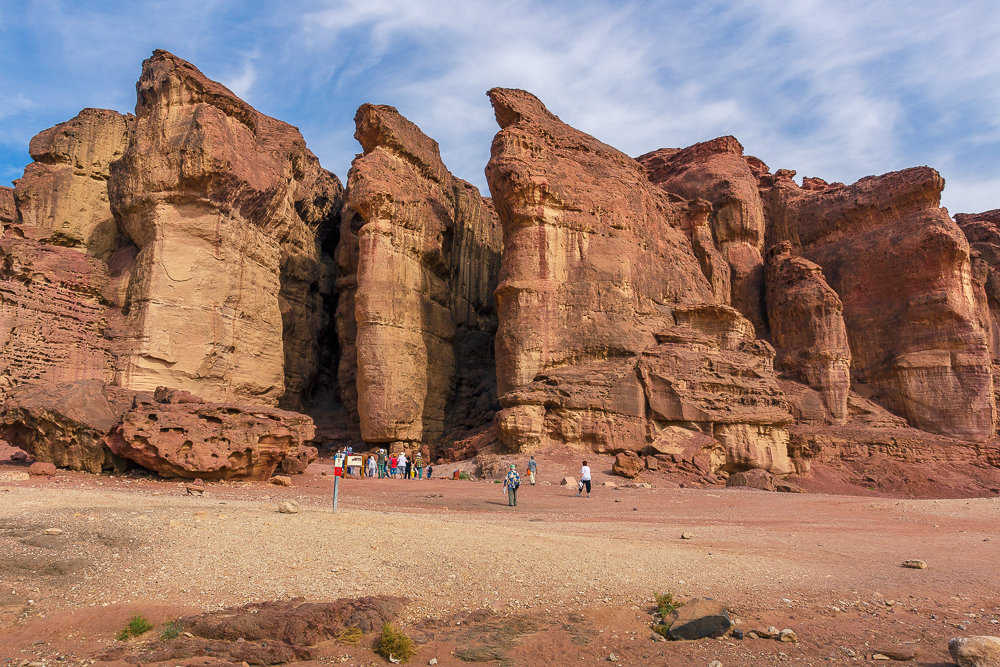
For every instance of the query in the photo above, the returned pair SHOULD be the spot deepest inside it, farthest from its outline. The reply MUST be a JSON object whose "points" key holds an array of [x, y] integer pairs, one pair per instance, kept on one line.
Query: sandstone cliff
{"points": [[228, 209], [8, 211], [419, 253], [903, 271], [983, 233], [65, 189]]}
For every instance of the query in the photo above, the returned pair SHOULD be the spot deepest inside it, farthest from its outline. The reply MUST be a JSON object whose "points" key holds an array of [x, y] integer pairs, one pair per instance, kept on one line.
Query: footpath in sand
{"points": [[575, 575]]}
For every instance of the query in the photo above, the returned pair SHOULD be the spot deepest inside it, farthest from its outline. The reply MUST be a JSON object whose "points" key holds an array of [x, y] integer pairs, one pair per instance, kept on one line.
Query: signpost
{"points": [[338, 471]]}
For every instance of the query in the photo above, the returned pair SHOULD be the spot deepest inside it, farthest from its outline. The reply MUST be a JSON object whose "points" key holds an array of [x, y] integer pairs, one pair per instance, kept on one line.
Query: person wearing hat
{"points": [[510, 484]]}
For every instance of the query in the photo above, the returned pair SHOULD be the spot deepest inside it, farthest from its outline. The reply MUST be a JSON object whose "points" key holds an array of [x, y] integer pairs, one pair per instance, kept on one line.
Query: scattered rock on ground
{"points": [[568, 481], [281, 480], [788, 635], [698, 618], [627, 464], [901, 653], [915, 564], [42, 469], [975, 651], [289, 507], [53, 531], [752, 479]]}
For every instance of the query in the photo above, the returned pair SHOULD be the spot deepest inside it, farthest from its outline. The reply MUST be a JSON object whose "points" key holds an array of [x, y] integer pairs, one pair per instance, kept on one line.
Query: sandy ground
{"points": [[576, 576]]}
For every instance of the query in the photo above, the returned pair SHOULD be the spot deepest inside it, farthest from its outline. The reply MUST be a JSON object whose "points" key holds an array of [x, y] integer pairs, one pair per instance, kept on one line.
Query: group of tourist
{"points": [[398, 466], [512, 481]]}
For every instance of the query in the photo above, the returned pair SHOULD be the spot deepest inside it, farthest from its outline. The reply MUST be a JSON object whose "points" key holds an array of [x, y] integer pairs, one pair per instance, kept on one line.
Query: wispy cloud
{"points": [[838, 90]]}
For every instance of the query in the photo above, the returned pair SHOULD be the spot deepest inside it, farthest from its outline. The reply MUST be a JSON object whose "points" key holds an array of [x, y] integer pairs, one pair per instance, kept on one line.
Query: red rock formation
{"points": [[55, 325], [902, 269], [64, 424], [717, 172], [8, 212], [65, 189], [608, 327], [421, 252], [176, 437], [807, 327], [228, 209], [983, 233]]}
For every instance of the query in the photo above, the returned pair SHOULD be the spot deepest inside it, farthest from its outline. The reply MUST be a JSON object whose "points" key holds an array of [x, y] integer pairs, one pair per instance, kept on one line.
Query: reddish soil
{"points": [[557, 580]]}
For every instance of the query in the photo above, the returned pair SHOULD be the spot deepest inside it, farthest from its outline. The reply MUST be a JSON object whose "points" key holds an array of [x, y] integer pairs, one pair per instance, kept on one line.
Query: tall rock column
{"points": [[717, 172], [228, 209], [807, 327], [420, 253], [903, 271]]}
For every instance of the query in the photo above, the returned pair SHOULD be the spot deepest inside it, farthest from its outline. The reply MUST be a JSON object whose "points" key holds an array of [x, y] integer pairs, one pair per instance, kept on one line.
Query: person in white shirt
{"points": [[402, 464], [584, 479]]}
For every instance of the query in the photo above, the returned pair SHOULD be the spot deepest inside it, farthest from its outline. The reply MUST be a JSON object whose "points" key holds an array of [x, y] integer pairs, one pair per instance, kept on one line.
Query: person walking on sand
{"points": [[584, 479], [418, 463], [532, 469], [510, 484]]}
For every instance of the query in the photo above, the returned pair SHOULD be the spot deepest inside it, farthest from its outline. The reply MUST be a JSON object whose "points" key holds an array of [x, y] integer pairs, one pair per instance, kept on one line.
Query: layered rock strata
{"points": [[65, 189], [903, 271], [609, 331], [717, 172], [8, 211], [227, 208], [181, 436], [983, 233], [807, 327], [420, 254]]}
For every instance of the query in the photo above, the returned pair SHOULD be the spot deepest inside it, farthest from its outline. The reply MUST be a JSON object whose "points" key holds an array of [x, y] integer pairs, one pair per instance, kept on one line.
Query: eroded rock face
{"points": [[807, 327], [8, 211], [55, 321], [716, 171], [176, 437], [903, 271], [228, 209], [420, 249], [983, 232], [609, 330], [65, 189], [64, 424]]}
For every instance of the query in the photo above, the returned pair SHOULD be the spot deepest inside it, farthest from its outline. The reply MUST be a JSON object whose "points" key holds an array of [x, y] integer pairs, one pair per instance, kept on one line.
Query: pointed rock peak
{"points": [[380, 125], [168, 79], [512, 105]]}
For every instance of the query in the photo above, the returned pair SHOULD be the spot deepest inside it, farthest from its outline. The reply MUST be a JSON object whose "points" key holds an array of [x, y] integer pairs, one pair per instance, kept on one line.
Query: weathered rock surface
{"points": [[627, 464], [717, 172], [752, 479], [903, 271], [983, 232], [64, 424], [55, 324], [609, 329], [228, 209], [179, 438], [698, 618], [8, 211], [421, 250], [807, 327], [65, 189], [975, 651]]}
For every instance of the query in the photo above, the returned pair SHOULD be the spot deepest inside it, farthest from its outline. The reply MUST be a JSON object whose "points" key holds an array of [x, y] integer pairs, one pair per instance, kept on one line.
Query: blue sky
{"points": [[838, 90]]}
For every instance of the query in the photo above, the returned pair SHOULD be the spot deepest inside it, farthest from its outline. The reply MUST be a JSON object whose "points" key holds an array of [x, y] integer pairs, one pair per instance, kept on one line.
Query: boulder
{"points": [[975, 651], [41, 469], [63, 424], [698, 618], [903, 271], [210, 440], [227, 210], [752, 479], [807, 327], [420, 255], [627, 464]]}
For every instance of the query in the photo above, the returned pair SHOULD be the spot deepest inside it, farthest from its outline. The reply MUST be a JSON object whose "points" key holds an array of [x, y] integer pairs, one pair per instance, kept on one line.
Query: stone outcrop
{"points": [[609, 330], [717, 172], [55, 322], [175, 436], [903, 271], [64, 424], [807, 327], [8, 210], [228, 210], [65, 190], [983, 233], [420, 254]]}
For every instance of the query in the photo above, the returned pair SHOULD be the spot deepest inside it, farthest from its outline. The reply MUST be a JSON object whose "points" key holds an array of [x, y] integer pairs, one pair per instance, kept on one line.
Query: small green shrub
{"points": [[662, 630], [138, 625], [394, 643], [666, 604], [350, 636], [171, 630]]}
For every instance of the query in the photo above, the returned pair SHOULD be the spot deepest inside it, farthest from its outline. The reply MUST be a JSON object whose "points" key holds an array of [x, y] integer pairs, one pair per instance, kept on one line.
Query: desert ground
{"points": [[557, 580]]}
